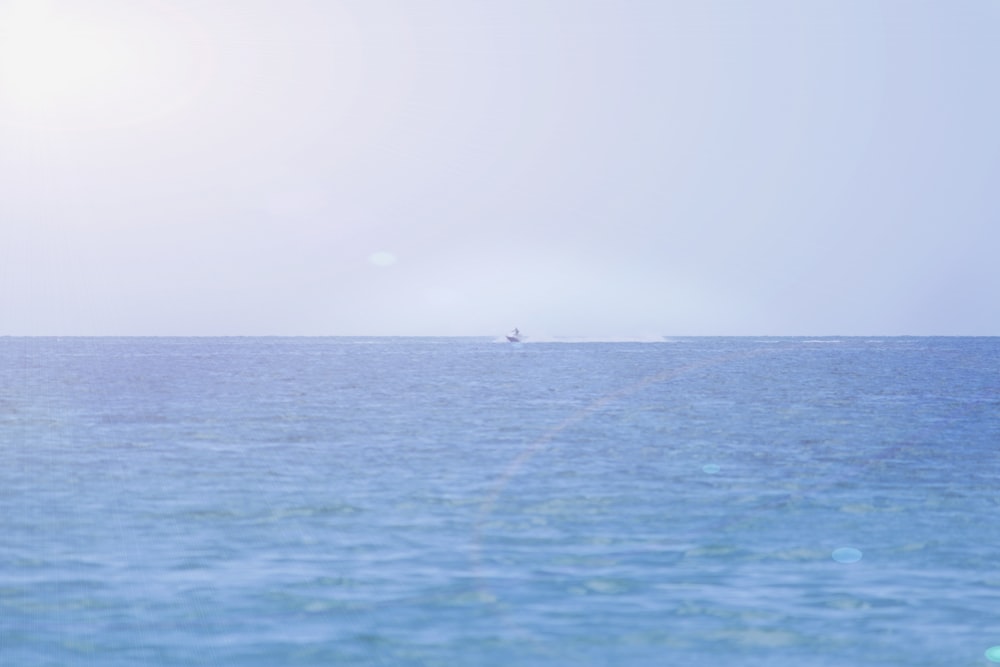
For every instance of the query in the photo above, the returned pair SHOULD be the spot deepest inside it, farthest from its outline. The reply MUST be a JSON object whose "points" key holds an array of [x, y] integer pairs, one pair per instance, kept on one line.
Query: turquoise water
{"points": [[393, 501]]}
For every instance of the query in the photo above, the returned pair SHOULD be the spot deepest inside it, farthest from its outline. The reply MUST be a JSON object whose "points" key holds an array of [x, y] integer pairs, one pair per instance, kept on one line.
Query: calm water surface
{"points": [[392, 501]]}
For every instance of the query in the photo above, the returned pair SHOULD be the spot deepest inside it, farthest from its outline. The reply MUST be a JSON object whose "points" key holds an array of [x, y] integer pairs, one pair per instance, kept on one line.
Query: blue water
{"points": [[393, 501]]}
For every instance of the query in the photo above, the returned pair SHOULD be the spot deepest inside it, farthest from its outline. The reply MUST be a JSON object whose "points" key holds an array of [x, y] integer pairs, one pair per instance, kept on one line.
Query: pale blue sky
{"points": [[574, 168]]}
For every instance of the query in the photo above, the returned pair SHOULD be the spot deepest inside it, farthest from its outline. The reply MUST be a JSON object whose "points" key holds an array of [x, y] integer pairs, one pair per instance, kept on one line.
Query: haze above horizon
{"points": [[579, 168]]}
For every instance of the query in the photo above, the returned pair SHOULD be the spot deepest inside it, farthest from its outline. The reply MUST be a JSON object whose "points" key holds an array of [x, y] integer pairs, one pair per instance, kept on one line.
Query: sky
{"points": [[589, 168]]}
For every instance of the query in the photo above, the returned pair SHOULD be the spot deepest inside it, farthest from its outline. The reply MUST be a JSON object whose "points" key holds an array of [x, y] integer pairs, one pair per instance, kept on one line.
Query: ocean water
{"points": [[458, 501]]}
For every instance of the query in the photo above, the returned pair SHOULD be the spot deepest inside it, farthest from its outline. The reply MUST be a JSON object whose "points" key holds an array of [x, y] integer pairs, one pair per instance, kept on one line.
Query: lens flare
{"points": [[846, 555]]}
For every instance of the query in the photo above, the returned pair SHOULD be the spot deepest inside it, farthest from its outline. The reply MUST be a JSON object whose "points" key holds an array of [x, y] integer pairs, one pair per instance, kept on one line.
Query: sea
{"points": [[689, 502]]}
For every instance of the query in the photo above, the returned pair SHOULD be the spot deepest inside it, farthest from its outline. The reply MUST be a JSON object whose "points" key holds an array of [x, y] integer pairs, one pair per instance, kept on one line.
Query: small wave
{"points": [[591, 339]]}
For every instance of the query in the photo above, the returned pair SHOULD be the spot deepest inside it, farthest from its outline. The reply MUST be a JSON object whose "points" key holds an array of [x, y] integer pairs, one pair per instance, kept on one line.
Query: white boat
{"points": [[515, 336]]}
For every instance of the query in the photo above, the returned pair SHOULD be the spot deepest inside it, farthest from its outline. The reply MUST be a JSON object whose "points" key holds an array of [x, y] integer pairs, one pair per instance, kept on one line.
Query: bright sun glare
{"points": [[68, 64]]}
